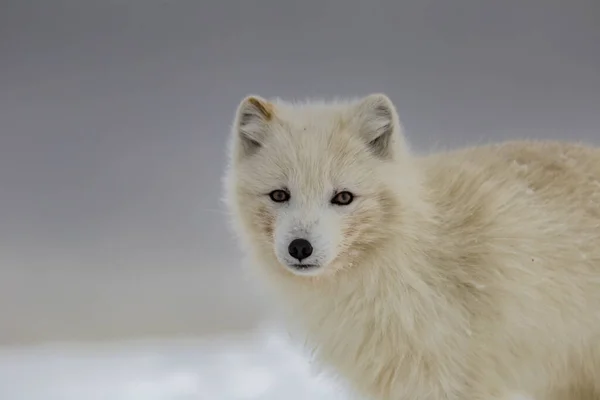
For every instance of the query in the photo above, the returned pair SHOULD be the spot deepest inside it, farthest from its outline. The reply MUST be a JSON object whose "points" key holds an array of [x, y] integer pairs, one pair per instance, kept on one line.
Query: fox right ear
{"points": [[251, 123], [379, 125]]}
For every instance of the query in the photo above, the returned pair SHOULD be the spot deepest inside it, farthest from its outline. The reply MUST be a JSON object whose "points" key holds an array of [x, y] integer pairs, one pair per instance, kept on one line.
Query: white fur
{"points": [[468, 274]]}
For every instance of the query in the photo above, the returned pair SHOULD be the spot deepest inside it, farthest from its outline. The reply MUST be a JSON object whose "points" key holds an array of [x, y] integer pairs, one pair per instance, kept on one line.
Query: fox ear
{"points": [[251, 123], [378, 124]]}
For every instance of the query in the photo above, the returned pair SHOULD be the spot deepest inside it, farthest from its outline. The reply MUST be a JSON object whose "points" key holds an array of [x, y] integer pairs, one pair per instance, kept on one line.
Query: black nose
{"points": [[300, 249]]}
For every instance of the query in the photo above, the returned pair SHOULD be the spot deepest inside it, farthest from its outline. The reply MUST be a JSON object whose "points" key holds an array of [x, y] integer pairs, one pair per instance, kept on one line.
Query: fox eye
{"points": [[279, 196], [342, 198]]}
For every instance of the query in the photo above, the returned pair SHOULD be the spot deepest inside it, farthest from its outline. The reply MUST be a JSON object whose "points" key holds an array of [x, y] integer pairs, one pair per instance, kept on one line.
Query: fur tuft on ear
{"points": [[378, 124], [251, 123]]}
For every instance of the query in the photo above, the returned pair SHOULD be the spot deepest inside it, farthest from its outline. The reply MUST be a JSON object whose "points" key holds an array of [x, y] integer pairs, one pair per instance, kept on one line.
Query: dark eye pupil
{"points": [[343, 198], [279, 196]]}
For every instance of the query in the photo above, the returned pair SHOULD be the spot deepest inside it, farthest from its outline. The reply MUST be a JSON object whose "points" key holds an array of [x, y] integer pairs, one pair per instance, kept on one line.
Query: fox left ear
{"points": [[379, 124], [252, 123]]}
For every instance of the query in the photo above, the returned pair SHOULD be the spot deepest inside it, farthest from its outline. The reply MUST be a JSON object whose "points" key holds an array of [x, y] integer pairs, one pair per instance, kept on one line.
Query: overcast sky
{"points": [[114, 115]]}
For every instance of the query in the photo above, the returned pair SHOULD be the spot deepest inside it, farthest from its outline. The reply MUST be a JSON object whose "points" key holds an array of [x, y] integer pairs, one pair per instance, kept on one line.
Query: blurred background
{"points": [[114, 116]]}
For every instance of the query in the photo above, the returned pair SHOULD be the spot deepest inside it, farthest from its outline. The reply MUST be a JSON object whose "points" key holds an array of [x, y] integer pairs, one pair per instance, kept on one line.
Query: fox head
{"points": [[312, 187]]}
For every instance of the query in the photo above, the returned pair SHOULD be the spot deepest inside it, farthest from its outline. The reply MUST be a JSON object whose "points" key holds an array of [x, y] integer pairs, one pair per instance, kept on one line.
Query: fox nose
{"points": [[300, 249]]}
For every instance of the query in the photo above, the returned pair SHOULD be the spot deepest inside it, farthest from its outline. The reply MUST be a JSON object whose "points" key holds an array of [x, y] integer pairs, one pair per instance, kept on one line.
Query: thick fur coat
{"points": [[467, 274]]}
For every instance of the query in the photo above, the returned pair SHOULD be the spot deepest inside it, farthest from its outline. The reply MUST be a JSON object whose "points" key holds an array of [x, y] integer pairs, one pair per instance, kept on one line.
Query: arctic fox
{"points": [[470, 274]]}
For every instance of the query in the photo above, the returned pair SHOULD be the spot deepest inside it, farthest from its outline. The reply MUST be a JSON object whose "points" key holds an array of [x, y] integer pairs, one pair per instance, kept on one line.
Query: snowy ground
{"points": [[260, 365]]}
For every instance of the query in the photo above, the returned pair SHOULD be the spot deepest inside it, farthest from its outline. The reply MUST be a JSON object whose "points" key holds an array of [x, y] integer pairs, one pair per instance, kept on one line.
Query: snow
{"points": [[256, 365]]}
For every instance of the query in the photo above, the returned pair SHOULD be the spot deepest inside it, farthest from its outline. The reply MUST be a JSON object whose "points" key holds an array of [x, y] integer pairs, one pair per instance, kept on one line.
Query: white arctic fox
{"points": [[471, 274]]}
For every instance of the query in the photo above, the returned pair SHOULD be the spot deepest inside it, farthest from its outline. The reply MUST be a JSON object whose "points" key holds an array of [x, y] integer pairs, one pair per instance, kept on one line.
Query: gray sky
{"points": [[114, 116]]}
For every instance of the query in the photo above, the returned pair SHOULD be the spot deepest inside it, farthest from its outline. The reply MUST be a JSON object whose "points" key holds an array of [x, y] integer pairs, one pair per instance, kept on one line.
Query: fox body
{"points": [[465, 274]]}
